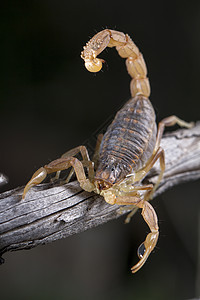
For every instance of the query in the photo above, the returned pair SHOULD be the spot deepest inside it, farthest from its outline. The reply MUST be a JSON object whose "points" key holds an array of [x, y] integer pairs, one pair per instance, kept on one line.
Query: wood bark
{"points": [[54, 211]]}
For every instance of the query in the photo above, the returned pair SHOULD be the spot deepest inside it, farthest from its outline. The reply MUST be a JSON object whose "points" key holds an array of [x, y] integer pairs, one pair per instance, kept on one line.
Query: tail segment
{"points": [[126, 48]]}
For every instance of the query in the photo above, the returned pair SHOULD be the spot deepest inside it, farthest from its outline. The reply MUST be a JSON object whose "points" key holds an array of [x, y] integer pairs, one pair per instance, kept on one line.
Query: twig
{"points": [[50, 212]]}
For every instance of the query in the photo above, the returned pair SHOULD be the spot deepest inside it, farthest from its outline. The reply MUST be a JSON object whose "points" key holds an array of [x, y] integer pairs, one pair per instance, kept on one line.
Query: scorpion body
{"points": [[129, 141], [129, 148]]}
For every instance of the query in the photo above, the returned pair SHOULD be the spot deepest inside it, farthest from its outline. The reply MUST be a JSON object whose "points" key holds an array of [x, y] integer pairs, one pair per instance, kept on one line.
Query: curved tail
{"points": [[126, 48]]}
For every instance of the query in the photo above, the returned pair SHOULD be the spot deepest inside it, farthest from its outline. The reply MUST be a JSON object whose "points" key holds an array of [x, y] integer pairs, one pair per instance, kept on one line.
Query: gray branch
{"points": [[54, 211]]}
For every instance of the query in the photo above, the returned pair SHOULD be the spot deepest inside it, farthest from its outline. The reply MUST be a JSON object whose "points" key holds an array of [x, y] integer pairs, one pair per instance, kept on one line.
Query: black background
{"points": [[49, 103]]}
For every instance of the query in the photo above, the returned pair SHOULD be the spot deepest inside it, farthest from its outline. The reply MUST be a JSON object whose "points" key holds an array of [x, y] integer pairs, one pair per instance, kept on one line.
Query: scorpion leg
{"points": [[151, 219], [166, 122], [158, 151], [59, 165], [86, 161], [159, 154]]}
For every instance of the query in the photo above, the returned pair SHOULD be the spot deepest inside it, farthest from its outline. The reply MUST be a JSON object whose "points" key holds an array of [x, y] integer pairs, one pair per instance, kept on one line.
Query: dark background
{"points": [[49, 103]]}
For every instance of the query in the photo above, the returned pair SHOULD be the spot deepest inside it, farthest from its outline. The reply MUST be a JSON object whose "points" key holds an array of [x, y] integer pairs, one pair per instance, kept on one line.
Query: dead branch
{"points": [[53, 211]]}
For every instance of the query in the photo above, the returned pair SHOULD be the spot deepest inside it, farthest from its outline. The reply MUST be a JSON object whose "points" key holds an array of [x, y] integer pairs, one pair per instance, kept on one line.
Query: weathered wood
{"points": [[53, 211]]}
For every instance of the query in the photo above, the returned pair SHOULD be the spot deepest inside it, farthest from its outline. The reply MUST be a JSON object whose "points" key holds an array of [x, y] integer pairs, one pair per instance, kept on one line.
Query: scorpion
{"points": [[128, 150]]}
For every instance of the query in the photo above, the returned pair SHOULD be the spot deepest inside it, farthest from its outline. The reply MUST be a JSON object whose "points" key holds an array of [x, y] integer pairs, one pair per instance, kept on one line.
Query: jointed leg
{"points": [[159, 154], [158, 151], [169, 121], [91, 165], [86, 161], [76, 150], [59, 165]]}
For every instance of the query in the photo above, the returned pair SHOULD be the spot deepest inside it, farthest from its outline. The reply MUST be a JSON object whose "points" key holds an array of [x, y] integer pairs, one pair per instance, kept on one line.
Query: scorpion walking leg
{"points": [[159, 154], [59, 165], [158, 151], [169, 121], [151, 219], [86, 161]]}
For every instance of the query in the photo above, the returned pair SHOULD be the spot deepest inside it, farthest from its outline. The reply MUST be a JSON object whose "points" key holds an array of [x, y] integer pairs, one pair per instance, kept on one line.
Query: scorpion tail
{"points": [[126, 48]]}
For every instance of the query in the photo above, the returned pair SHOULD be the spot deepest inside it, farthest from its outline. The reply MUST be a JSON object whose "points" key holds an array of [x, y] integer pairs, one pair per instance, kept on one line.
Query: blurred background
{"points": [[49, 103]]}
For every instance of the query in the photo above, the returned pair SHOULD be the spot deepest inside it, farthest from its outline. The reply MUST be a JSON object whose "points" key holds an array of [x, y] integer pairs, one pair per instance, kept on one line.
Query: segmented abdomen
{"points": [[130, 139]]}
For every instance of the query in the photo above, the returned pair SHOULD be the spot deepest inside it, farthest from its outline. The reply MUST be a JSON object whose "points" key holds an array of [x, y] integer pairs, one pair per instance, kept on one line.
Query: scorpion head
{"points": [[108, 174]]}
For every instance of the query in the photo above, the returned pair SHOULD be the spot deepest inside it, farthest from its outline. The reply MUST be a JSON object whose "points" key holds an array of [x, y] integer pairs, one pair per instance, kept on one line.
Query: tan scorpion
{"points": [[129, 148]]}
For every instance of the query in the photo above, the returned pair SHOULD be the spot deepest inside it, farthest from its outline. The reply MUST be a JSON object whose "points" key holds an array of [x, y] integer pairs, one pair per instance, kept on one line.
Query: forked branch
{"points": [[54, 211]]}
